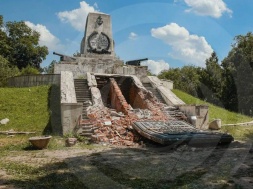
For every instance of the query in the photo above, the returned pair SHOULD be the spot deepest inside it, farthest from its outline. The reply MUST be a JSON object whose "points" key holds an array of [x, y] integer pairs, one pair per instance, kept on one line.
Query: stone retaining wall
{"points": [[34, 80]]}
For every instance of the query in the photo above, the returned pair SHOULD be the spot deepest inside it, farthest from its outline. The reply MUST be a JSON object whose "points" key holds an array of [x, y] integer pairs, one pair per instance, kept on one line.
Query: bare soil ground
{"points": [[150, 166]]}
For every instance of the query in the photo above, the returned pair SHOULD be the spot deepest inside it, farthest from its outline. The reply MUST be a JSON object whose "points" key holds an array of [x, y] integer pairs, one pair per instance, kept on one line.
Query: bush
{"points": [[29, 70]]}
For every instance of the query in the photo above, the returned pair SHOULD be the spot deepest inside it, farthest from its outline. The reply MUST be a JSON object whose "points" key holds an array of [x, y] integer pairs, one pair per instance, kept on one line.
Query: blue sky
{"points": [[171, 33]]}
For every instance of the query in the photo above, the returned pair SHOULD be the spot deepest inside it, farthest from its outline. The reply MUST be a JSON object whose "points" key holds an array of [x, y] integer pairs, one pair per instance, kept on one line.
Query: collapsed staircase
{"points": [[155, 92], [172, 112], [83, 95], [175, 114]]}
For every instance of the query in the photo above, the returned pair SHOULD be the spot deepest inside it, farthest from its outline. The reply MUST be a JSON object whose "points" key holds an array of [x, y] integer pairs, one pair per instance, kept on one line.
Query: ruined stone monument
{"points": [[97, 52], [109, 101]]}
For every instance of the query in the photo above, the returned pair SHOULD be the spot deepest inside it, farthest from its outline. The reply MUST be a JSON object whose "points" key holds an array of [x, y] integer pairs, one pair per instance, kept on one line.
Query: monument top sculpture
{"points": [[97, 38], [97, 53]]}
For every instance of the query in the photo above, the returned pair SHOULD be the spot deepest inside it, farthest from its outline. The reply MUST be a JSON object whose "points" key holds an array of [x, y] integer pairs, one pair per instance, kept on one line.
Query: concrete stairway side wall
{"points": [[169, 97], [198, 115], [70, 110]]}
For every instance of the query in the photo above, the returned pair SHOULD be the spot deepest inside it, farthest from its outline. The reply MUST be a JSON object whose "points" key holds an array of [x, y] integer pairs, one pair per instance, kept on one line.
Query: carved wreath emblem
{"points": [[99, 43]]}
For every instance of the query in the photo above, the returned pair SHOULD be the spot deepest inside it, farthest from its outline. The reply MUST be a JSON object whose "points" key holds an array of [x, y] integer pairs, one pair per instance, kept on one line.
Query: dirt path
{"points": [[146, 167]]}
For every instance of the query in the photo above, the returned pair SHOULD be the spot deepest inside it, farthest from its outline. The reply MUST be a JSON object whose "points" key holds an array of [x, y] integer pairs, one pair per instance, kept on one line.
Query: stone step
{"points": [[83, 95], [86, 134], [80, 80], [82, 100], [82, 90], [87, 127], [86, 124], [87, 131], [81, 85], [154, 91]]}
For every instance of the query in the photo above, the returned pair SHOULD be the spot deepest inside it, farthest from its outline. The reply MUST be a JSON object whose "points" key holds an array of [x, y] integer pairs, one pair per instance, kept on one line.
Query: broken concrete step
{"points": [[87, 127], [86, 134]]}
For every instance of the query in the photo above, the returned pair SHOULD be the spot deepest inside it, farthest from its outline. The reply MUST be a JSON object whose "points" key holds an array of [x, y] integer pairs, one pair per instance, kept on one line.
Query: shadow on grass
{"points": [[249, 135], [145, 168], [51, 176]]}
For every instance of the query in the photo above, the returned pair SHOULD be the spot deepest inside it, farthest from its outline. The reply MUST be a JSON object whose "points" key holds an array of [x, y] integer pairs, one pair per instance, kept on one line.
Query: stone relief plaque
{"points": [[99, 43]]}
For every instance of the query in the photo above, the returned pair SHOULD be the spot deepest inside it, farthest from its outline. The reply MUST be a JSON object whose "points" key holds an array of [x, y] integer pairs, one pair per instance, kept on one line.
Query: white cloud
{"points": [[95, 5], [156, 66], [46, 37], [188, 48], [77, 17], [132, 36], [214, 8]]}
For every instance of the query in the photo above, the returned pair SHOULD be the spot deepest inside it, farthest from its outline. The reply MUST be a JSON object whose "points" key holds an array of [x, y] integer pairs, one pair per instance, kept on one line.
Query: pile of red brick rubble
{"points": [[114, 126]]}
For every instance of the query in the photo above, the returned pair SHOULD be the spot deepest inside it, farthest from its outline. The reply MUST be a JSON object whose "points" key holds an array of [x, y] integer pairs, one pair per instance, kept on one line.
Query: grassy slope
{"points": [[239, 132], [27, 110], [215, 112]]}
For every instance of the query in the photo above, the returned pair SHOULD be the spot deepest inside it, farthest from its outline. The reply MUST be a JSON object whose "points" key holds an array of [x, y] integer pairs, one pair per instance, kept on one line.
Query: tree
{"points": [[186, 78], [238, 76], [211, 80], [6, 71], [19, 44], [50, 68], [29, 70]]}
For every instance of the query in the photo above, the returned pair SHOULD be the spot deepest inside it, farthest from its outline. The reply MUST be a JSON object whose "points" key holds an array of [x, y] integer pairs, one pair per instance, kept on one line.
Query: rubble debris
{"points": [[70, 142], [114, 126], [215, 124], [12, 132], [4, 121]]}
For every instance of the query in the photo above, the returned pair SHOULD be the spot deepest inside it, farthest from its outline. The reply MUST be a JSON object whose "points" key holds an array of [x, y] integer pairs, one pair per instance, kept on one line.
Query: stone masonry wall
{"points": [[118, 101]]}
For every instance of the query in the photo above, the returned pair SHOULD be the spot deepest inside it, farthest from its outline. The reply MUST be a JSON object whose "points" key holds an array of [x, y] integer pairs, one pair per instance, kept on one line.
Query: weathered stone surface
{"points": [[68, 94], [84, 65], [215, 124], [92, 82], [70, 116], [96, 97], [198, 115], [4, 121], [70, 142], [169, 97], [98, 25]]}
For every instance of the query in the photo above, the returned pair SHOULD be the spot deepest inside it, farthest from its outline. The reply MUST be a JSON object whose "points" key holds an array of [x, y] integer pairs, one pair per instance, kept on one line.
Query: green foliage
{"points": [[228, 85], [186, 78], [29, 70], [50, 68], [211, 80], [6, 71], [238, 76], [19, 45]]}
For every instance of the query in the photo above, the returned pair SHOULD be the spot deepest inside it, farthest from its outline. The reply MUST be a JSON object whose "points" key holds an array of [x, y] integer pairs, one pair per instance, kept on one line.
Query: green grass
{"points": [[215, 112], [26, 108], [227, 117]]}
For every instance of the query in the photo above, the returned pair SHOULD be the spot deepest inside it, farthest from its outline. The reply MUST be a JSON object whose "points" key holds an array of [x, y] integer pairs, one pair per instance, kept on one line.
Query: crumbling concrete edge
{"points": [[136, 80], [198, 115], [92, 82], [169, 97]]}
